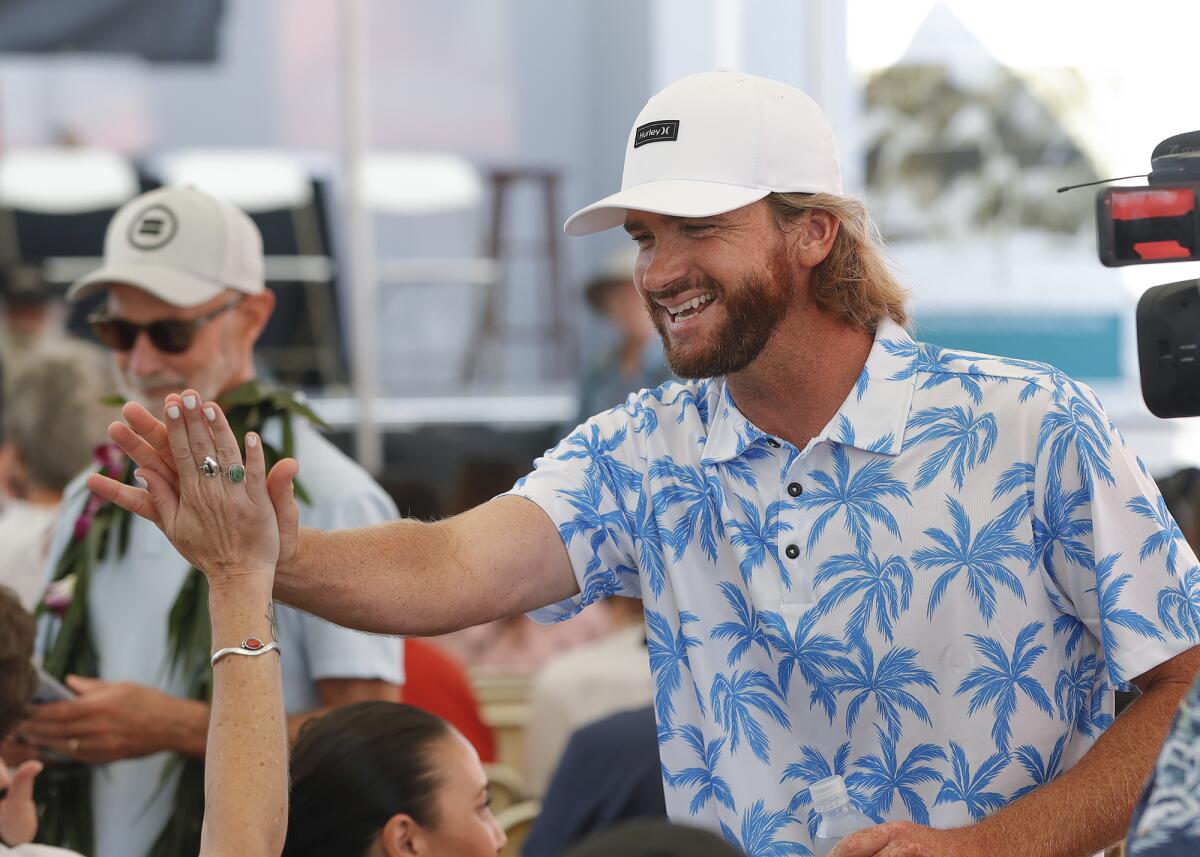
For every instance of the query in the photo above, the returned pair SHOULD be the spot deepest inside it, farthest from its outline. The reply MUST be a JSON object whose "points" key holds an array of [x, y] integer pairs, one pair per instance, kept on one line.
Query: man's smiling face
{"points": [[716, 287]]}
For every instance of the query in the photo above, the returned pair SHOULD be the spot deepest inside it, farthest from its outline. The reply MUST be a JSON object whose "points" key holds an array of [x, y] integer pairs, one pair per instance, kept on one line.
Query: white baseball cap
{"points": [[713, 142], [180, 244]]}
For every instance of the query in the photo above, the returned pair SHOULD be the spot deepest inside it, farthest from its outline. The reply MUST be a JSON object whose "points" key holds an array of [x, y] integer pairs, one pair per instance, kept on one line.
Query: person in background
{"points": [[1166, 822], [635, 360], [380, 779], [1181, 493], [657, 839], [52, 422], [584, 685], [436, 682], [609, 773], [185, 302], [513, 646], [33, 313], [18, 680]]}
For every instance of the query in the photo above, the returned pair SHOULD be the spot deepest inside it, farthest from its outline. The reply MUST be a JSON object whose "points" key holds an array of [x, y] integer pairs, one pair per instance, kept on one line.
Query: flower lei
{"points": [[64, 790]]}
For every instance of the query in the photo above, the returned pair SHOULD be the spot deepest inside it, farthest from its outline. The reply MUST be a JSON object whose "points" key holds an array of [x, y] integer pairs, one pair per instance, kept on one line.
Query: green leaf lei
{"points": [[64, 790]]}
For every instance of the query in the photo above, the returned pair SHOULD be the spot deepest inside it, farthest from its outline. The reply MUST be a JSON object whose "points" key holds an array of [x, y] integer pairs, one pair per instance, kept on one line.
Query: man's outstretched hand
{"points": [[143, 437]]}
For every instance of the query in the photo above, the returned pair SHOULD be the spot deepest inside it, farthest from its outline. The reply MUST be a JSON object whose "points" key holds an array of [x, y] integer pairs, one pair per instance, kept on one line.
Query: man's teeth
{"points": [[689, 306]]}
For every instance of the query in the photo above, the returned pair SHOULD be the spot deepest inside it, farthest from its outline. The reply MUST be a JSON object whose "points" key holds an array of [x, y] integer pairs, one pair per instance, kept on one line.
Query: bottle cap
{"points": [[829, 794]]}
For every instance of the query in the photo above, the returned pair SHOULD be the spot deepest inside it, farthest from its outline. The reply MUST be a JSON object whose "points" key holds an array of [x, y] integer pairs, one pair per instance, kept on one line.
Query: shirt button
{"points": [[795, 489], [773, 442], [792, 551]]}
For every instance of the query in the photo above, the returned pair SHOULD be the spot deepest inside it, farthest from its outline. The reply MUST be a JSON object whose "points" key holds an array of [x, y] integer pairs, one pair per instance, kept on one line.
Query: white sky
{"points": [[1139, 59]]}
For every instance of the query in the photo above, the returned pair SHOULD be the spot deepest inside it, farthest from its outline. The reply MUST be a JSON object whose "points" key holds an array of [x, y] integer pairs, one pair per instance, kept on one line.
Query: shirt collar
{"points": [[872, 418]]}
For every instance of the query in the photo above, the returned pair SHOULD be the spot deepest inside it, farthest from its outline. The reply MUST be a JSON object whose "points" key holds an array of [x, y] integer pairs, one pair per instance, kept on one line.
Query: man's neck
{"points": [[235, 382], [800, 380]]}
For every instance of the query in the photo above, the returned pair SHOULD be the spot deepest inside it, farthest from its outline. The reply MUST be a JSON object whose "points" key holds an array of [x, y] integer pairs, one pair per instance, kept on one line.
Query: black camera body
{"points": [[1154, 224]]}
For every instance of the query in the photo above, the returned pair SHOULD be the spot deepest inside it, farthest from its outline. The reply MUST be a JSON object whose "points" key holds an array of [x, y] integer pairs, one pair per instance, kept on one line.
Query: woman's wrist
{"points": [[250, 582]]}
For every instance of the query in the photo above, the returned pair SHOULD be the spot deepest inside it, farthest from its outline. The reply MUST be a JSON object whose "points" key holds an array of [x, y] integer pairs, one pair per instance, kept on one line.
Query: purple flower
{"points": [[59, 595], [111, 461]]}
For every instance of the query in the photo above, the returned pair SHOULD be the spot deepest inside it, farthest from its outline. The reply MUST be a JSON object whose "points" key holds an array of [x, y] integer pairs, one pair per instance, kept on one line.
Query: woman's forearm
{"points": [[245, 777]]}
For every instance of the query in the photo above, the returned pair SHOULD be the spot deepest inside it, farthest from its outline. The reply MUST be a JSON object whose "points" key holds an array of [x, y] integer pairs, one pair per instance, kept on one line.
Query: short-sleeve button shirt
{"points": [[971, 562]]}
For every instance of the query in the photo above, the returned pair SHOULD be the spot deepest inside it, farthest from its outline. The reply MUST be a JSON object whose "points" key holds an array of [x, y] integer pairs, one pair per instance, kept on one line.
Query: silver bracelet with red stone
{"points": [[250, 647]]}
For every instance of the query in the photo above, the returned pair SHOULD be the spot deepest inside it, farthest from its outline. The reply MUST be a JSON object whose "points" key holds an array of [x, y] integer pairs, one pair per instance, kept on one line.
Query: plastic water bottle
{"points": [[839, 817]]}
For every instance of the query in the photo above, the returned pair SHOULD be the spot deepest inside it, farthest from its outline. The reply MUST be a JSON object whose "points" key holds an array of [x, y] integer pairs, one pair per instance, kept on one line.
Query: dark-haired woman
{"points": [[379, 779]]}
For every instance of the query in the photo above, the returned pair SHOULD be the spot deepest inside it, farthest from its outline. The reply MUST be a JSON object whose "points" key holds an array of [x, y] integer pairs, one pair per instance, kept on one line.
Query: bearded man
{"points": [[859, 554], [128, 630]]}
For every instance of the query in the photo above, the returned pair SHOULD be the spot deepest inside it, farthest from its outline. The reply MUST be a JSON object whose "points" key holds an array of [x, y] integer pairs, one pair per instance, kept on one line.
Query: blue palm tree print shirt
{"points": [[935, 598]]}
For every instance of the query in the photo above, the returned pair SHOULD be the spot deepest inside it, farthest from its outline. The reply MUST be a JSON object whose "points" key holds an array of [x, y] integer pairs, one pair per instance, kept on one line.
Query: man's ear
{"points": [[403, 837], [258, 309], [813, 237]]}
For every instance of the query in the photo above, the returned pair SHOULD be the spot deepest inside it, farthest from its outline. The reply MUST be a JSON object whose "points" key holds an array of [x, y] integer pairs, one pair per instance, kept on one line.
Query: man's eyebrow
{"points": [[632, 226]]}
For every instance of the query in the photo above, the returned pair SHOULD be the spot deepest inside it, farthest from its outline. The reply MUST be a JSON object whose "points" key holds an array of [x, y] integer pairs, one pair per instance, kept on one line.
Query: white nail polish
{"points": [[141, 480], [211, 413], [189, 402], [173, 412], [251, 440]]}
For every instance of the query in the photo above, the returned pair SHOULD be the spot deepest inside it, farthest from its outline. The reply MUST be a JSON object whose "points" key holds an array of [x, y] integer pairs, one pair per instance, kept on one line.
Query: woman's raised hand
{"points": [[162, 452], [218, 513]]}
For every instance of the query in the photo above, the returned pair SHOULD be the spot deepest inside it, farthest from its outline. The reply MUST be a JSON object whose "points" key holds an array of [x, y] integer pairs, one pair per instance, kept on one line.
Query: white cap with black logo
{"points": [[713, 142], [180, 244]]}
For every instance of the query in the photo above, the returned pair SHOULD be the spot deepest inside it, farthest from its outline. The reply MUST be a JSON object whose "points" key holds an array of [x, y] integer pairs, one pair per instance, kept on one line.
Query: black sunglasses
{"points": [[168, 335]]}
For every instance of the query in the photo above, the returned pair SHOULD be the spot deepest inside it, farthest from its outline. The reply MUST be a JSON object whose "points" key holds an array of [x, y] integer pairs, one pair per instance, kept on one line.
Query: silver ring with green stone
{"points": [[236, 473]]}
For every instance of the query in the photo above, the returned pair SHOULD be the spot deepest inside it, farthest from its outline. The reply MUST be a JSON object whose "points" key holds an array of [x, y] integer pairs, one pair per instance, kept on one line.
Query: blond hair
{"points": [[854, 282]]}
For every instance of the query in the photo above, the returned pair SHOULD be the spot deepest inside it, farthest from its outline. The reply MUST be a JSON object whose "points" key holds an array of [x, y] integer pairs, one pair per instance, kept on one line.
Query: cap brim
{"points": [[673, 197], [167, 284]]}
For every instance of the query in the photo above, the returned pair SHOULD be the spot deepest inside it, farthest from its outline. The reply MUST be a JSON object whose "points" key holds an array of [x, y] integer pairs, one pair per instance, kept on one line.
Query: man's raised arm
{"points": [[403, 577], [408, 577]]}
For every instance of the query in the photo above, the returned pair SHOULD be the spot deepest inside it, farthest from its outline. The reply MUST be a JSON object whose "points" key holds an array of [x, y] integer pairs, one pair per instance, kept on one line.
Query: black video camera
{"points": [[1150, 225]]}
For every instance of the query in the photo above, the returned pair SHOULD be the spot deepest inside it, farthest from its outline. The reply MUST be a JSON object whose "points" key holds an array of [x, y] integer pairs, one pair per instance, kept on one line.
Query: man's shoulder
{"points": [[684, 402], [972, 367]]}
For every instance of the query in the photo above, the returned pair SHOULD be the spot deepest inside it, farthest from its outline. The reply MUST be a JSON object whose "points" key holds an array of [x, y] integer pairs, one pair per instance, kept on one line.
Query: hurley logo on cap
{"points": [[153, 228], [656, 132]]}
